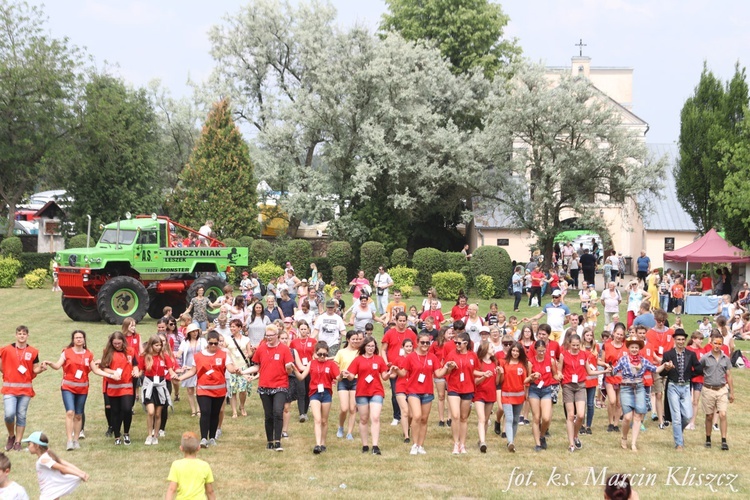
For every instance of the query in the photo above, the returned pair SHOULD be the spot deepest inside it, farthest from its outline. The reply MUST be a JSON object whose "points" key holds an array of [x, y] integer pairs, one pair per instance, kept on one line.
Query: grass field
{"points": [[243, 469]]}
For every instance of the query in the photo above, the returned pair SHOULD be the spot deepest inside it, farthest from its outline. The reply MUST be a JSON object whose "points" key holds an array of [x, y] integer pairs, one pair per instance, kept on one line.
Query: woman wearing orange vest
{"points": [[514, 376], [19, 364], [76, 362], [210, 367], [121, 361]]}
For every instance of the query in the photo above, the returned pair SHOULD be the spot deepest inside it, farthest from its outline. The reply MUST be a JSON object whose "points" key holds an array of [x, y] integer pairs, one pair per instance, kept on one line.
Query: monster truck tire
{"points": [[81, 310], [213, 288], [122, 297], [156, 305]]}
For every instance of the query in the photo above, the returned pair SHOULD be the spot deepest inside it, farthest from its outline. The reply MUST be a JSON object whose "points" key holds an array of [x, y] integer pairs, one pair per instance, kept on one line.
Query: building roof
{"points": [[667, 214]]}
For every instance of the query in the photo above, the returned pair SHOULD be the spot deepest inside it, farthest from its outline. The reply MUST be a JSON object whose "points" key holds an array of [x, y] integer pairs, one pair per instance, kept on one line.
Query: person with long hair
{"points": [[155, 366], [57, 477], [134, 343], [371, 370], [463, 368], [120, 360], [696, 383], [193, 344], [407, 347], [613, 351], [238, 347], [304, 345], [526, 339], [588, 344], [364, 312], [485, 395], [506, 342], [273, 362], [346, 388], [76, 361], [461, 309], [210, 367], [292, 393], [438, 349], [167, 354], [175, 339], [257, 324], [543, 378], [514, 375], [320, 372]]}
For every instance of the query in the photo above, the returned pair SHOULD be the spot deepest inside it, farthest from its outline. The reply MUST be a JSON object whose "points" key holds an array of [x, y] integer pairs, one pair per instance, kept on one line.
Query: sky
{"points": [[665, 42]]}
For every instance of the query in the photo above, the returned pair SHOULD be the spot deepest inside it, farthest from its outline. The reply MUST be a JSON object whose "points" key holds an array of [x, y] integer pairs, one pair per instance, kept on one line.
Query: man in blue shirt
{"points": [[643, 264]]}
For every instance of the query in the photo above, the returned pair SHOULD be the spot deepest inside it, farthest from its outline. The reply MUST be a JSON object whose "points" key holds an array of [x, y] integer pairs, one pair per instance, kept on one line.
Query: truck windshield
{"points": [[110, 236]]}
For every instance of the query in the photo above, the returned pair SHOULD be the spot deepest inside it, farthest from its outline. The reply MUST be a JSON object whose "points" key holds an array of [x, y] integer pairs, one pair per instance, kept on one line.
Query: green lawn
{"points": [[243, 468]]}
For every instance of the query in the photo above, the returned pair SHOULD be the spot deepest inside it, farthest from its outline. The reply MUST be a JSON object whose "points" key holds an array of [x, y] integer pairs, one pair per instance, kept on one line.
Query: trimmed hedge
{"points": [[403, 279], [260, 251], [232, 242], [31, 261], [79, 241], [399, 257], [427, 261], [495, 262], [299, 253], [449, 284], [340, 254], [11, 247], [9, 269], [246, 241], [455, 261], [35, 279], [267, 271], [339, 276], [324, 268], [484, 286], [371, 256]]}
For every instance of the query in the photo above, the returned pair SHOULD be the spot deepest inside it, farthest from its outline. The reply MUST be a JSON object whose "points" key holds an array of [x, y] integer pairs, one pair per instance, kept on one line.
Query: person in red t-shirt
{"points": [[439, 349], [613, 351], [120, 360], [514, 376], [660, 337], [155, 366], [543, 375], [461, 309], [678, 294], [434, 312], [392, 346], [320, 372], [76, 362], [463, 367], [371, 370], [485, 395], [399, 391]]}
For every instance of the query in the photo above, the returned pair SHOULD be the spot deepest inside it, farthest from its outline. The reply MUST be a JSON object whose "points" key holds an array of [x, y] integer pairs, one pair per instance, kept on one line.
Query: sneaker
{"points": [[365, 449], [662, 426], [316, 450], [70, 446], [708, 444], [456, 449], [724, 446], [543, 441], [204, 443], [148, 441], [547, 434], [407, 440], [162, 434], [349, 437], [323, 448], [666, 423], [118, 441], [441, 423], [10, 442], [483, 447], [538, 448], [522, 421], [497, 428], [154, 440], [588, 430], [448, 422], [571, 449], [285, 434], [414, 449], [395, 422], [716, 427], [376, 450], [511, 447], [610, 428], [577, 443], [218, 433], [643, 428], [109, 432], [340, 432], [503, 435], [616, 428], [81, 435], [269, 446], [126, 439], [211, 442], [422, 451], [302, 418], [76, 445], [654, 417], [462, 450], [277, 446]]}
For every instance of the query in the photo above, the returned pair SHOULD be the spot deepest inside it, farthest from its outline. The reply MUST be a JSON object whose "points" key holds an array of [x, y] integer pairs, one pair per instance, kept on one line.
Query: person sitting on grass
{"points": [[190, 477]]}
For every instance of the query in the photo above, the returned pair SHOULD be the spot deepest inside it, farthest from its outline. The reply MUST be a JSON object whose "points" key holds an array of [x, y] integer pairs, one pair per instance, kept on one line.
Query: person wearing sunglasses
{"points": [[463, 367], [210, 367], [718, 387], [321, 372]]}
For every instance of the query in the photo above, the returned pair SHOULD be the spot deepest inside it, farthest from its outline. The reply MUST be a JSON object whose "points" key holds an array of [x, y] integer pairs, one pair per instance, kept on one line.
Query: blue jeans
{"points": [[15, 409], [394, 402], [590, 400], [74, 402], [203, 325], [633, 399], [681, 406], [511, 424]]}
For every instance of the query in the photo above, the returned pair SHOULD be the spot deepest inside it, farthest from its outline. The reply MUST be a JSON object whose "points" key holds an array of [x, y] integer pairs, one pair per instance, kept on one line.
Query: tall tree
{"points": [[555, 148], [113, 166], [39, 86], [469, 33], [219, 183]]}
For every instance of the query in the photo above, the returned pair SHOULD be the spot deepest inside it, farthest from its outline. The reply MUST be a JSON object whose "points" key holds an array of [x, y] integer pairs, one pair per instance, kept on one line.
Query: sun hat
{"points": [[633, 340], [191, 328]]}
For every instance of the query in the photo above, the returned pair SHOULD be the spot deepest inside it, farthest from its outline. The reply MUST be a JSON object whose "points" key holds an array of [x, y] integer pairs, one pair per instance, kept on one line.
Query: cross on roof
{"points": [[580, 46]]}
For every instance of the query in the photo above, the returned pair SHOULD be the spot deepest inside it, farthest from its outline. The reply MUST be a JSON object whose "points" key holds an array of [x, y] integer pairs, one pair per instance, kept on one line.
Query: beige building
{"points": [[668, 227]]}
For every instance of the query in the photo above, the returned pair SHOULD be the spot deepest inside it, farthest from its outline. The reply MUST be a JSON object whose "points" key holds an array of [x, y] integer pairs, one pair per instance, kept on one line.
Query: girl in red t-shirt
{"points": [[398, 361], [543, 374], [119, 360], [485, 395], [370, 370], [439, 350], [463, 367], [613, 351], [461, 309], [320, 372], [156, 366], [514, 376]]}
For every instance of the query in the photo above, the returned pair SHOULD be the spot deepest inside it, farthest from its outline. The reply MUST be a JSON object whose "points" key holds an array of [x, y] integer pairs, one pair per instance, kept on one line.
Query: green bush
{"points": [[485, 286], [9, 269], [455, 261], [427, 261], [31, 261], [231, 242], [449, 284], [493, 261], [299, 253], [339, 276], [403, 279], [35, 279], [79, 241], [399, 257], [11, 246], [340, 254], [246, 241], [371, 256], [260, 251], [324, 268], [267, 271]]}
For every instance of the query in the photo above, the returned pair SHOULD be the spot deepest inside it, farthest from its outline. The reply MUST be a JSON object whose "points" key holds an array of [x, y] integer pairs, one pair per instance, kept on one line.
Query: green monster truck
{"points": [[138, 267]]}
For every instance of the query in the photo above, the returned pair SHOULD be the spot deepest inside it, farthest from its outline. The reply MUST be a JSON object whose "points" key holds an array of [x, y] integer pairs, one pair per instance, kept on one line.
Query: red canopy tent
{"points": [[709, 248]]}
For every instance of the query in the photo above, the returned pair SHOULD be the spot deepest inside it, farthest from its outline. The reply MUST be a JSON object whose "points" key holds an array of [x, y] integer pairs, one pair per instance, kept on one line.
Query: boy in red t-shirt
{"points": [[678, 294]]}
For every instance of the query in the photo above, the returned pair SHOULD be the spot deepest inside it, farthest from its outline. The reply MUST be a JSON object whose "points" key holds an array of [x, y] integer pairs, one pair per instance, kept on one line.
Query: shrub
{"points": [[35, 279], [495, 262], [267, 271], [11, 247], [399, 257], [79, 241], [31, 261], [371, 256], [9, 268], [246, 241], [260, 251], [449, 284], [324, 267], [427, 261], [231, 242], [340, 254], [455, 261], [485, 286], [299, 253], [403, 279], [339, 276]]}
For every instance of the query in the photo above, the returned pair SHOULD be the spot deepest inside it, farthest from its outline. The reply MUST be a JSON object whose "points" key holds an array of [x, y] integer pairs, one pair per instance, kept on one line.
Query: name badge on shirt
{"points": [[661, 349], [86, 362], [421, 378], [552, 354], [209, 372], [79, 374], [156, 380], [519, 371], [22, 369], [218, 361], [276, 357], [471, 361], [328, 369], [321, 387], [574, 379], [27, 356], [369, 379]]}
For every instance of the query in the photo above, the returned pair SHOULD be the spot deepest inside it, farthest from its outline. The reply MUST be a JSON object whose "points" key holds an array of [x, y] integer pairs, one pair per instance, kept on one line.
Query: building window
{"points": [[503, 242], [668, 244]]}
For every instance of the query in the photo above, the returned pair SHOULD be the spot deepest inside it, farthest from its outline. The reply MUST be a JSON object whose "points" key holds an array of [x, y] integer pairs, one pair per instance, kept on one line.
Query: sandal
{"points": [[624, 443], [193, 414]]}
